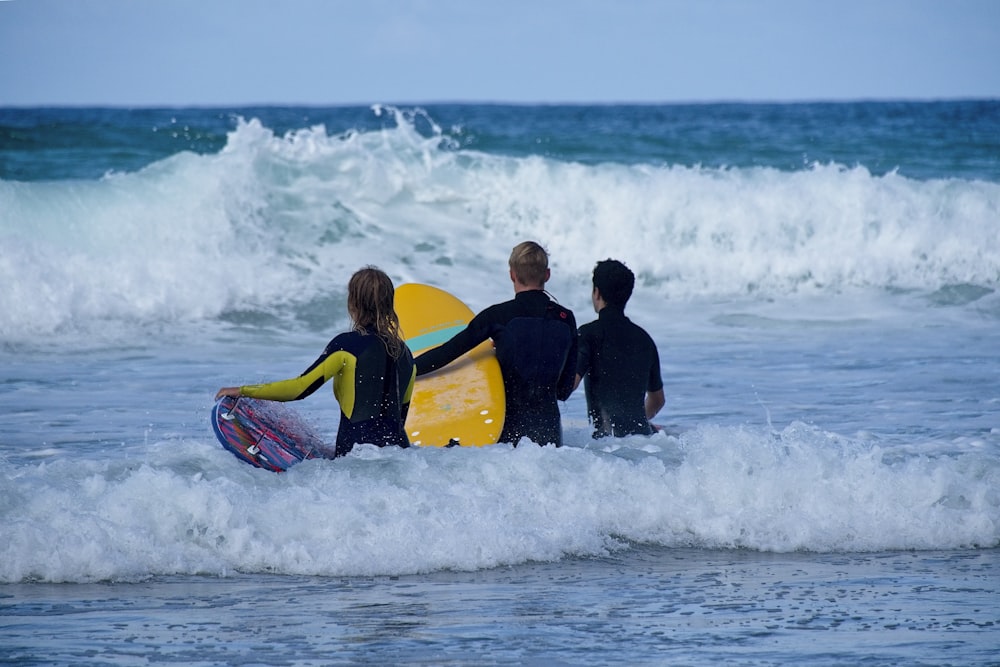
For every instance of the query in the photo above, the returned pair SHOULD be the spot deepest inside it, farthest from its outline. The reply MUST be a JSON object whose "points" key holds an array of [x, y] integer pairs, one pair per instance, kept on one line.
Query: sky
{"points": [[339, 52]]}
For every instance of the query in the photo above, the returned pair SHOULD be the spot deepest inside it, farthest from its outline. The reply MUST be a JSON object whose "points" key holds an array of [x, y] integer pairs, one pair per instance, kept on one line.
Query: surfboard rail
{"points": [[264, 434]]}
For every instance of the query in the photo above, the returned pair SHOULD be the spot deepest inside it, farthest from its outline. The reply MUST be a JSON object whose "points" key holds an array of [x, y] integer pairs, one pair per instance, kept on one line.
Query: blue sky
{"points": [[229, 52]]}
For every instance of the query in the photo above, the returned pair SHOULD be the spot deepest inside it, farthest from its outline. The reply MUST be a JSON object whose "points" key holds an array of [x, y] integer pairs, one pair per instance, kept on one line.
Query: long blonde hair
{"points": [[370, 295]]}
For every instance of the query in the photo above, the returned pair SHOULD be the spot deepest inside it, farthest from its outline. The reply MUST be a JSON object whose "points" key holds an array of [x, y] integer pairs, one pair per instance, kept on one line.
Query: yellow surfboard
{"points": [[462, 403]]}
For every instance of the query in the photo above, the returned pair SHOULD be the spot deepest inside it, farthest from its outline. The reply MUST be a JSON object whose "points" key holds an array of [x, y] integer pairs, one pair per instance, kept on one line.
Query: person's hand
{"points": [[232, 392]]}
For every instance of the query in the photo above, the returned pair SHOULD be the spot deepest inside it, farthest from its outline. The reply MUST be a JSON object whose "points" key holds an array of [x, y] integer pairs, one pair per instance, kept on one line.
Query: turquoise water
{"points": [[821, 281]]}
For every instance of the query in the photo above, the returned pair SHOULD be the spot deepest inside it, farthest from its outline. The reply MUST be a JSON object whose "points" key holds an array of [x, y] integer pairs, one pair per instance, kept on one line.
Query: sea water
{"points": [[821, 280]]}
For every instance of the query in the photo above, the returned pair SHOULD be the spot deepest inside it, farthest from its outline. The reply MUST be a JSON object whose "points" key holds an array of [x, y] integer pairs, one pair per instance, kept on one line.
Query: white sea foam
{"points": [[189, 509], [808, 416], [278, 222]]}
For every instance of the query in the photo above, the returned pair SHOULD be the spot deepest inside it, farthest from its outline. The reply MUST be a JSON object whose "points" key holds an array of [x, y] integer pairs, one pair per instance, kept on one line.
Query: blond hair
{"points": [[529, 262], [370, 295]]}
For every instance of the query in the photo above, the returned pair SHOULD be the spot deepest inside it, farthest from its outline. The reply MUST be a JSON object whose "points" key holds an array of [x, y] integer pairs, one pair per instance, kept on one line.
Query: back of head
{"points": [[370, 296], [615, 281], [530, 263]]}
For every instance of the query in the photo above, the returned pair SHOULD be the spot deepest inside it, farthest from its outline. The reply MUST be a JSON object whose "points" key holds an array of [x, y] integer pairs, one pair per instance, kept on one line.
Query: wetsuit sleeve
{"points": [[655, 381], [408, 395], [325, 368], [584, 352], [447, 352], [568, 376]]}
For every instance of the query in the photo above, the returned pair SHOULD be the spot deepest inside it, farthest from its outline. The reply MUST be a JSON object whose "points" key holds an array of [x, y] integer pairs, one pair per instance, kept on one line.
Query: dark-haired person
{"points": [[371, 368], [618, 360], [535, 341]]}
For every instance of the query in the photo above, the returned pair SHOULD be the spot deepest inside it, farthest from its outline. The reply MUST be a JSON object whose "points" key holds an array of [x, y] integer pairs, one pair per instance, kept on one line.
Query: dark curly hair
{"points": [[615, 281]]}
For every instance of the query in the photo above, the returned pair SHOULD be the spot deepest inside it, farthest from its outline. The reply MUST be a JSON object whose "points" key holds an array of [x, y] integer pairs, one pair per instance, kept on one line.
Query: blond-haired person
{"points": [[536, 344]]}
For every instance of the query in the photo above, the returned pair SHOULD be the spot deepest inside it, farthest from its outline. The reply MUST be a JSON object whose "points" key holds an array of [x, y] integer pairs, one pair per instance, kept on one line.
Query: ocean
{"points": [[822, 281]]}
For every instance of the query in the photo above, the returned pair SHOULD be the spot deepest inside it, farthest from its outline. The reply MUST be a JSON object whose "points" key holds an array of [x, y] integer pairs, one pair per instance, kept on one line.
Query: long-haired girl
{"points": [[371, 368]]}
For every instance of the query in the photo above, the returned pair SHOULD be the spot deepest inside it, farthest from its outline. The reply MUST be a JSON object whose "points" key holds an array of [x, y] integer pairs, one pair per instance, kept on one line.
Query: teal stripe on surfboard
{"points": [[432, 339]]}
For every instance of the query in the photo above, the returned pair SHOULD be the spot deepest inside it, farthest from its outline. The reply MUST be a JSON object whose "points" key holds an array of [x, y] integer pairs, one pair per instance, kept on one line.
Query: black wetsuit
{"points": [[372, 388], [535, 341], [619, 363]]}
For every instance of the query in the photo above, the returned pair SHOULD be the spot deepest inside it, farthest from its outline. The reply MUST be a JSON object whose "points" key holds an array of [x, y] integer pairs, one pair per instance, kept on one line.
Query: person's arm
{"points": [[582, 356], [445, 353], [232, 392], [654, 403], [654, 387], [567, 380], [408, 395], [292, 389], [297, 388]]}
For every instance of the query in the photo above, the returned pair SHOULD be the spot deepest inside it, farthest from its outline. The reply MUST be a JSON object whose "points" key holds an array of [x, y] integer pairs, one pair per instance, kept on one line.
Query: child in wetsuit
{"points": [[371, 368]]}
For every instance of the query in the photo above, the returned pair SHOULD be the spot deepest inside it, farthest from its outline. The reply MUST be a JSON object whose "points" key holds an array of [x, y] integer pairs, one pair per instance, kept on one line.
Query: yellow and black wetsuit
{"points": [[373, 389]]}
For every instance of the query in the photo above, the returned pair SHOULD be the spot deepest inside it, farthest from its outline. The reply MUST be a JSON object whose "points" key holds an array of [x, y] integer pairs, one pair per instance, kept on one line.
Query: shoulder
{"points": [[563, 313], [343, 338], [502, 307], [554, 308], [637, 334], [632, 325], [643, 342], [348, 341], [405, 356], [497, 314], [483, 322], [642, 332]]}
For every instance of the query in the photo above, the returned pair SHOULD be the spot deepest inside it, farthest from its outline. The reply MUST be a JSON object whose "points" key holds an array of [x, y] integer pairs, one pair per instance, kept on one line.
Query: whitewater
{"points": [[823, 295]]}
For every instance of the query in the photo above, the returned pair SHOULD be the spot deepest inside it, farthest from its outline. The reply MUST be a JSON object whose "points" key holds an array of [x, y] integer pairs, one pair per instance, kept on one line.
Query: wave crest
{"points": [[272, 222]]}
